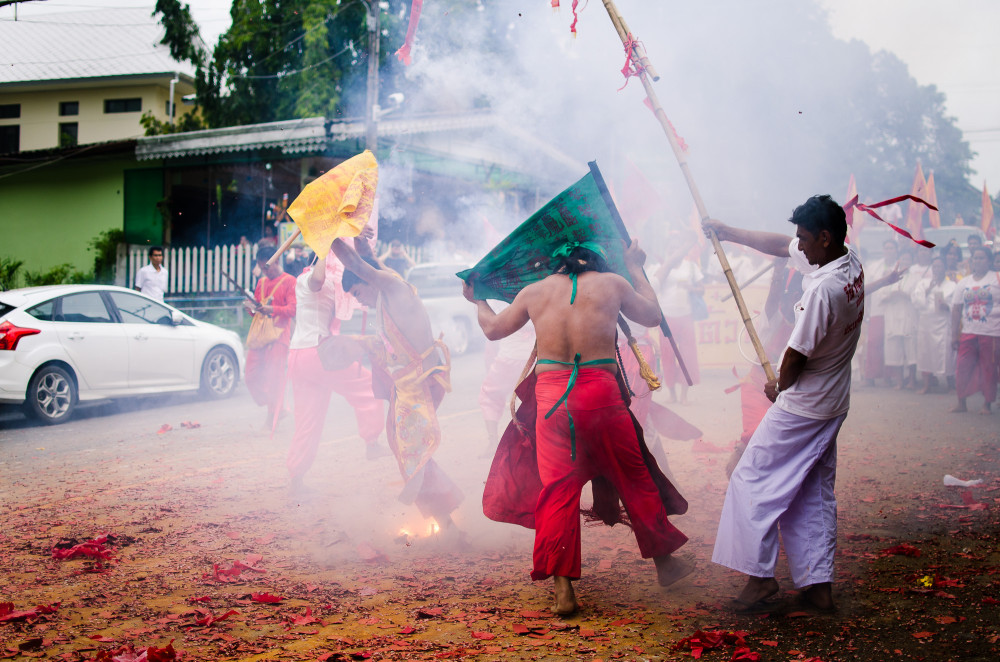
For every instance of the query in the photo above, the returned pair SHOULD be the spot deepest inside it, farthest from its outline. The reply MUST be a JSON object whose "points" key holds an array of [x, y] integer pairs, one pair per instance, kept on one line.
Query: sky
{"points": [[951, 44]]}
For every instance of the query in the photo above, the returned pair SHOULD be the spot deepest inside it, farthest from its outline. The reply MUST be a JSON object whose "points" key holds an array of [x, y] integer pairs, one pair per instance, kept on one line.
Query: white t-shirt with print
{"points": [[313, 312], [980, 302], [827, 328]]}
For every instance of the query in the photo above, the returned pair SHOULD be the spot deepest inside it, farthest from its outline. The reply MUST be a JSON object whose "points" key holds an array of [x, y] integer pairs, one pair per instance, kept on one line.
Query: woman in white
{"points": [[932, 298], [901, 325], [677, 280]]}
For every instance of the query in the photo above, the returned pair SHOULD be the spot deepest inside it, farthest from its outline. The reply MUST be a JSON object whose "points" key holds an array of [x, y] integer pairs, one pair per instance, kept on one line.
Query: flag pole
{"points": [[664, 329], [645, 71]]}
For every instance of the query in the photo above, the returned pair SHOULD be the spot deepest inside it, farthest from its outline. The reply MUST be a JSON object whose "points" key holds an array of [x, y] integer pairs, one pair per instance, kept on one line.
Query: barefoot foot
{"points": [[757, 590], [818, 596], [670, 569], [566, 603]]}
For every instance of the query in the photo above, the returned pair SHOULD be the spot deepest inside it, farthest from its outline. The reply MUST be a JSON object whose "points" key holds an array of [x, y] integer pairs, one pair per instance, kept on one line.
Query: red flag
{"points": [[987, 224], [933, 215], [854, 221], [915, 211], [411, 31], [639, 200]]}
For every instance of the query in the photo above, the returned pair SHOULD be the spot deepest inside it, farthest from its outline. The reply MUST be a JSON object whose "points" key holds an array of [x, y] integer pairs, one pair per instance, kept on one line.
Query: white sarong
{"points": [[785, 480]]}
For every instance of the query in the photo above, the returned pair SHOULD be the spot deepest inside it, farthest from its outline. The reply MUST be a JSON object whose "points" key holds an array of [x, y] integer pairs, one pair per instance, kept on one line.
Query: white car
{"points": [[440, 290], [65, 344]]}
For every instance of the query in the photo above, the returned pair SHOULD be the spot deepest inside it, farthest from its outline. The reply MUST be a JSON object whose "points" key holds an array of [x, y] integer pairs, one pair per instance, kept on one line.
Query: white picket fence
{"points": [[193, 271]]}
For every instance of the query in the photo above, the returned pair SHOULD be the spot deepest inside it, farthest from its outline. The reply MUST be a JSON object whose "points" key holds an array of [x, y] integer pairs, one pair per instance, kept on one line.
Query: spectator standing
{"points": [[901, 326], [679, 279], [975, 312], [396, 258], [932, 298], [151, 280]]}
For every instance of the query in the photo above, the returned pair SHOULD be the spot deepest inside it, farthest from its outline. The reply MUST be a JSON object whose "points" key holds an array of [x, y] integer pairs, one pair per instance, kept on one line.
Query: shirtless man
{"points": [[583, 428], [412, 374]]}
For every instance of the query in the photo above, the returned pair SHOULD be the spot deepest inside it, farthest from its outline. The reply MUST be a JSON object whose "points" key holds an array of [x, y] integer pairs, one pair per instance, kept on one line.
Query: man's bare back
{"points": [[585, 327]]}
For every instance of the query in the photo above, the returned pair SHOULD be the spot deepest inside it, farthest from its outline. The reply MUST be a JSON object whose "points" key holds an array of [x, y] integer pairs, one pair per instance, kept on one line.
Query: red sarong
{"points": [[541, 489], [976, 367]]}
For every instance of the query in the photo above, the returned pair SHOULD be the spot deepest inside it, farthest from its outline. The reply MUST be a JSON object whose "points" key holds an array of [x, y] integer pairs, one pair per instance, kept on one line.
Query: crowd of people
{"points": [[933, 321]]}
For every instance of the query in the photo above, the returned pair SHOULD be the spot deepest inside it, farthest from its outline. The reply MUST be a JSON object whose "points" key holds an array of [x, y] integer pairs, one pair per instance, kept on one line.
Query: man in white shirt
{"points": [[151, 280], [785, 478]]}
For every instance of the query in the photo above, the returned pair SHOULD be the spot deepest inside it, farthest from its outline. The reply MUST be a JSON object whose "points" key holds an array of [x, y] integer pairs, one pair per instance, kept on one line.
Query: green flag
{"points": [[580, 213]]}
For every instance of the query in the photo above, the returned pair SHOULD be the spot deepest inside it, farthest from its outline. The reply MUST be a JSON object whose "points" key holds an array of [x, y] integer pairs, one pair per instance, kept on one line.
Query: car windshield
{"points": [[4, 308], [436, 281]]}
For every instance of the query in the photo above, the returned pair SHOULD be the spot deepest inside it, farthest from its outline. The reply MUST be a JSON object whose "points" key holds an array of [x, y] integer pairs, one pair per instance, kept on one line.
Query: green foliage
{"points": [[9, 271], [105, 247], [61, 274], [154, 127], [182, 36], [283, 59]]}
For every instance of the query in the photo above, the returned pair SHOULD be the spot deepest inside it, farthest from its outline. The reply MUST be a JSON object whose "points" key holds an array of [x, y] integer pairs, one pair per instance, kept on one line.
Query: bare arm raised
{"points": [[640, 304], [769, 243], [508, 321]]}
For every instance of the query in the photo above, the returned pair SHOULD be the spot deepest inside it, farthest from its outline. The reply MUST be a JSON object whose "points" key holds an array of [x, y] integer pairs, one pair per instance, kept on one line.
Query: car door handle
{"points": [[76, 335], [141, 336]]}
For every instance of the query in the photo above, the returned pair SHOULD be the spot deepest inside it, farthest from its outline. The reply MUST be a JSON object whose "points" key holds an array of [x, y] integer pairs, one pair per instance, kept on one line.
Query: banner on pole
{"points": [[579, 213]]}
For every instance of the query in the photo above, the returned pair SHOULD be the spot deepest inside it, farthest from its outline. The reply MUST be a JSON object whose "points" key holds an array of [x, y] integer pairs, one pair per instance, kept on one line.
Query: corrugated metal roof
{"points": [[294, 136], [84, 44]]}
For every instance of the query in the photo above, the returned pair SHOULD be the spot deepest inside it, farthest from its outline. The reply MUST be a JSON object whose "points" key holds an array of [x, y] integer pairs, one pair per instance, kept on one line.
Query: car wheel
{"points": [[51, 395], [458, 343], [219, 373]]}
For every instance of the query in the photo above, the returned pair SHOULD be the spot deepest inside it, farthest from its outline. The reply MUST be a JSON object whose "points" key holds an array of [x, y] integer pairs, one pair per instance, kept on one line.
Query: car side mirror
{"points": [[176, 318]]}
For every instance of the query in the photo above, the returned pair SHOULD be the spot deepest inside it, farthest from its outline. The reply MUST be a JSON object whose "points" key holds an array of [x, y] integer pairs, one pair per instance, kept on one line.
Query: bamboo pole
{"points": [[750, 280], [616, 215], [284, 247], [645, 71]]}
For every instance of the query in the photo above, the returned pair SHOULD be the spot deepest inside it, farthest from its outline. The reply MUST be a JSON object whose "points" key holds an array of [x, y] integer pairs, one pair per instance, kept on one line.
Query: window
{"points": [[10, 111], [43, 311], [123, 105], [67, 134], [140, 310], [69, 108], [83, 307], [10, 139]]}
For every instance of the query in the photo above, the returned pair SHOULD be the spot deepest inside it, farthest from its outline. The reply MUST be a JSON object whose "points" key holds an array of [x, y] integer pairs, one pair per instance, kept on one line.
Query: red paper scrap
{"points": [[191, 425], [166, 427], [93, 548], [208, 618], [266, 597], [8, 614], [902, 550]]}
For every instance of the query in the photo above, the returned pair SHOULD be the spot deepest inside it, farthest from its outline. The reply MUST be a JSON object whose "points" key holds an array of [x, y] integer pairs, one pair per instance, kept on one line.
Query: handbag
{"points": [[263, 330]]}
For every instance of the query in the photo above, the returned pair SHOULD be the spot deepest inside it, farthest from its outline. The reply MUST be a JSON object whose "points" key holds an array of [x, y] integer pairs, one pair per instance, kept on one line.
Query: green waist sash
{"points": [[576, 364]]}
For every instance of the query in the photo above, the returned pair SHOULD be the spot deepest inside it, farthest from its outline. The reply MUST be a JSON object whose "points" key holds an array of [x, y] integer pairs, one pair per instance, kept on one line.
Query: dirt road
{"points": [[210, 552]]}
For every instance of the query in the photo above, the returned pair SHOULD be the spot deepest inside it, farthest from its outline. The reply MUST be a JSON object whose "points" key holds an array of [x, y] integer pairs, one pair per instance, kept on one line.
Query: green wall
{"points": [[49, 215]]}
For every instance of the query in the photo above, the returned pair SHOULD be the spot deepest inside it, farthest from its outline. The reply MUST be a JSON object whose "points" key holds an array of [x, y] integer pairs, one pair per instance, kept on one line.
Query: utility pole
{"points": [[371, 106]]}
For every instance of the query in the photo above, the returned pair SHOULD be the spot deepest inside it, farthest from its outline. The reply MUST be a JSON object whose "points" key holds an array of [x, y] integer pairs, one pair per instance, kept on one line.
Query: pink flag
{"points": [[933, 215], [915, 210], [411, 31], [987, 224]]}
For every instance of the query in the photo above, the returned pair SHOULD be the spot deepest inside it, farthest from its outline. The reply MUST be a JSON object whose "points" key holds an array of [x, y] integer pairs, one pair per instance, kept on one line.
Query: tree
{"points": [[281, 59]]}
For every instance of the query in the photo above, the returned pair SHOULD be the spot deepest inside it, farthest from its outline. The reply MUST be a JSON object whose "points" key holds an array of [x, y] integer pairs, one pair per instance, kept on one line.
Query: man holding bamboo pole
{"points": [[785, 479]]}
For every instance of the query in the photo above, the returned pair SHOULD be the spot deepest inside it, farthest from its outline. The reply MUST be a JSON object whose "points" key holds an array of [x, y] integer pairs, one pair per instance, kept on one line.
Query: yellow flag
{"points": [[338, 204]]}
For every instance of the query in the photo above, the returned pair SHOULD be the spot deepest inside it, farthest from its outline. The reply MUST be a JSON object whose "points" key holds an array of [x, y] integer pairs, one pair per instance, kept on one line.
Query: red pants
{"points": [[976, 370], [874, 365], [311, 388], [606, 445], [682, 329], [265, 373]]}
